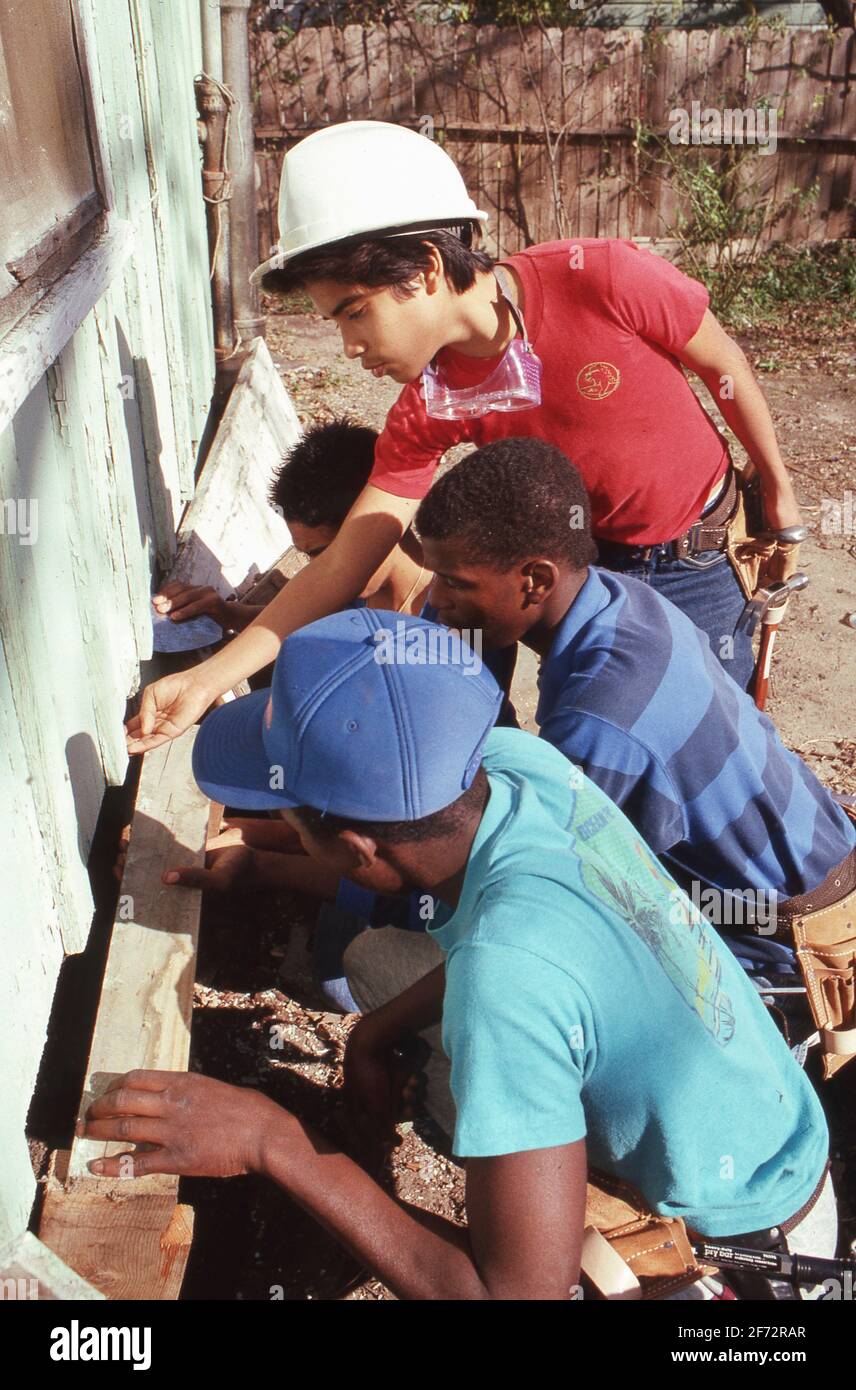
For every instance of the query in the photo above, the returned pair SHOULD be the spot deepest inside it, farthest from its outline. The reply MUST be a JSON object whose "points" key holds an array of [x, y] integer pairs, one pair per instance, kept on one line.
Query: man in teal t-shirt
{"points": [[586, 998], [587, 1012]]}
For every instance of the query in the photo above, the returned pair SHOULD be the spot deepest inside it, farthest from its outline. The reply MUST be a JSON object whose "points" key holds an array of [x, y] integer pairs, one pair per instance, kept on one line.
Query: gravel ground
{"points": [[257, 1018]]}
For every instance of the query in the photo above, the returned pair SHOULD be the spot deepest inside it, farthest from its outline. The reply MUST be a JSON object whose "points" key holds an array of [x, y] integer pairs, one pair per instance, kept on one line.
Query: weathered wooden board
{"points": [[32, 951], [165, 46], [47, 685], [28, 350], [146, 998], [93, 443], [141, 316], [129, 1236], [230, 533], [130, 1247], [496, 133]]}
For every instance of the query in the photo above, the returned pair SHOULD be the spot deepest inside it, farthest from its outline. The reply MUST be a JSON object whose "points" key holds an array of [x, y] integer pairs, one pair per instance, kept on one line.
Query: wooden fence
{"points": [[540, 122]]}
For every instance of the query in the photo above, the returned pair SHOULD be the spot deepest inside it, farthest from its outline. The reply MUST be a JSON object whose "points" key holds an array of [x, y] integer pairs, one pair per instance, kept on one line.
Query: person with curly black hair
{"points": [[318, 482], [631, 692]]}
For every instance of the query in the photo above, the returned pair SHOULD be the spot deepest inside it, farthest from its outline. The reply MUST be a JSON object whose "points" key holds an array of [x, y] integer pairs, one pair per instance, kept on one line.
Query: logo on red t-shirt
{"points": [[598, 380]]}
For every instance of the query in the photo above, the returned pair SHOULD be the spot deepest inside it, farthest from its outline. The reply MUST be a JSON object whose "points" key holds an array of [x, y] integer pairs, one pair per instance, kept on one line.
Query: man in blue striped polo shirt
{"points": [[631, 691]]}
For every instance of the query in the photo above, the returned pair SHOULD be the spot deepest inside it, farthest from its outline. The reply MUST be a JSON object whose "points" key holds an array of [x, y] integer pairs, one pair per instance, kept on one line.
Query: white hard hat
{"points": [[364, 176]]}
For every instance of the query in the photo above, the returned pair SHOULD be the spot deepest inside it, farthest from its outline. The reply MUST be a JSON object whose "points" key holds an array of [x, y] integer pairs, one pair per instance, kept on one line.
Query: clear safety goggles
{"points": [[514, 384]]}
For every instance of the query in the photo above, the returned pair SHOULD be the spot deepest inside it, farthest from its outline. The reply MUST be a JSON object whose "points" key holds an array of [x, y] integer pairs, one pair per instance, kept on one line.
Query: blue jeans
{"points": [[704, 587], [334, 932]]}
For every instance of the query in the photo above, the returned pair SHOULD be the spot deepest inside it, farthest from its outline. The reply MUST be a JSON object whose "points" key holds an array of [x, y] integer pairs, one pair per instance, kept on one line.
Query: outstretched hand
{"points": [[199, 1127], [225, 869], [168, 708], [182, 601]]}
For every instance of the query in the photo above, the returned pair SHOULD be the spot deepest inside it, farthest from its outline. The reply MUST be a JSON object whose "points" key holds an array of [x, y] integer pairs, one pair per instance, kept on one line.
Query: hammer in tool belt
{"points": [[768, 606]]}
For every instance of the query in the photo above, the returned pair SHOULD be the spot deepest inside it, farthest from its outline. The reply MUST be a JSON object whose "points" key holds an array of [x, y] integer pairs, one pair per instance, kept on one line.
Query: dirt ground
{"points": [[257, 1018]]}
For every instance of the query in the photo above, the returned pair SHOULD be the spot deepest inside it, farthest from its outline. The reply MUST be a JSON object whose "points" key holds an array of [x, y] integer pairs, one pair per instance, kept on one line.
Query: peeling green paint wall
{"points": [[105, 446]]}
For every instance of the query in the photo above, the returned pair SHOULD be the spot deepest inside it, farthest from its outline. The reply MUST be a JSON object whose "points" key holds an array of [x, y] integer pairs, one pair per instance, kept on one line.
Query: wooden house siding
{"points": [[105, 446]]}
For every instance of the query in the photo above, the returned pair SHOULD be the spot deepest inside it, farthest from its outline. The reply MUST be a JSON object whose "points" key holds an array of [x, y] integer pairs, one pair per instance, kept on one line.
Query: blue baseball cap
{"points": [[370, 714]]}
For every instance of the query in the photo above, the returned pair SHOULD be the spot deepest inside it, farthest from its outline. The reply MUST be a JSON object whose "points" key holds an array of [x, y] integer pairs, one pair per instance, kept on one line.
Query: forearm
{"points": [[314, 592], [327, 584], [724, 368], [416, 1008], [416, 1259], [747, 414], [298, 873], [236, 616]]}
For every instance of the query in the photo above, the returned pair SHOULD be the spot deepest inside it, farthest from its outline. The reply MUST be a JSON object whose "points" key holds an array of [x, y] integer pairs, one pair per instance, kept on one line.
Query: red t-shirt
{"points": [[614, 397]]}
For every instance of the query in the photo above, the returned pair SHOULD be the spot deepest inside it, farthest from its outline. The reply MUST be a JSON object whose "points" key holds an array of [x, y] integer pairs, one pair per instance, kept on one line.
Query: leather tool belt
{"points": [[711, 531], [737, 526], [757, 557], [824, 935], [821, 927], [630, 1252]]}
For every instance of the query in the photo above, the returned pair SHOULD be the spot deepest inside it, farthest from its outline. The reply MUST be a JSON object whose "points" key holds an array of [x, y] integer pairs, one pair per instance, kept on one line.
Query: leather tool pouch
{"points": [[825, 942], [628, 1250], [756, 557]]}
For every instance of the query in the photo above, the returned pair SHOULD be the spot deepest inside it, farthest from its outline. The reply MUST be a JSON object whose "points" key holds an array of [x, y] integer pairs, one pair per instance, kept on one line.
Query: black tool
{"points": [[774, 1264]]}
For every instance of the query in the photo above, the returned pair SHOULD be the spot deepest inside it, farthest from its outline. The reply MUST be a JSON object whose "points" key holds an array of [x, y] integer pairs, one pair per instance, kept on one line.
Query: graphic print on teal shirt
{"points": [[674, 931], [563, 1020]]}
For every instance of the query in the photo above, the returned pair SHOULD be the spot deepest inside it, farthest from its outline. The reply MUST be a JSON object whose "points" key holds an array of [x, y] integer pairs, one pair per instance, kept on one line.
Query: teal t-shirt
{"points": [[585, 997]]}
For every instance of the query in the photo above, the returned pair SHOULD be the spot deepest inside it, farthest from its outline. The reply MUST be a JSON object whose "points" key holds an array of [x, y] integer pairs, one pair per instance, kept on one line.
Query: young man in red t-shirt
{"points": [[376, 224]]}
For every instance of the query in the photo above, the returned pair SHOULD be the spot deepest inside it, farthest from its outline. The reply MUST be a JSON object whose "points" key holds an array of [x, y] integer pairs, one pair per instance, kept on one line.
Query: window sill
{"points": [[37, 339]]}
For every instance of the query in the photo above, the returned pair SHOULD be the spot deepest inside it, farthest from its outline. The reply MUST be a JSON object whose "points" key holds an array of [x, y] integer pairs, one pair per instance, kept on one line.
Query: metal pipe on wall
{"points": [[244, 250], [213, 105]]}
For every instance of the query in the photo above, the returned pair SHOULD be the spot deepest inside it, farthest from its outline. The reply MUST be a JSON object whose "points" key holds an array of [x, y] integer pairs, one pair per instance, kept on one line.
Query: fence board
{"points": [[810, 57], [354, 75], [836, 165], [478, 85], [843, 186], [377, 74]]}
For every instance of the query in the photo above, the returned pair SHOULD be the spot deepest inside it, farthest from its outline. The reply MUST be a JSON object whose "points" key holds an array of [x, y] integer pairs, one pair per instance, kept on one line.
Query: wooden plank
{"points": [[400, 90], [32, 948], [164, 42], [466, 106], [836, 169], [667, 92], [610, 184], [28, 349], [29, 1270], [129, 1236], [39, 625], [128, 1247], [631, 103], [810, 58], [768, 76], [377, 73], [272, 95], [230, 533], [147, 995], [132, 495], [355, 73], [116, 82], [590, 123], [571, 89], [106, 652]]}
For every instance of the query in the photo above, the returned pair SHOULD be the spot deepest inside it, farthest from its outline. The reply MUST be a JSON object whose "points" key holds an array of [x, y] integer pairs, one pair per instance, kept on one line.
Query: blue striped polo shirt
{"points": [[632, 692]]}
